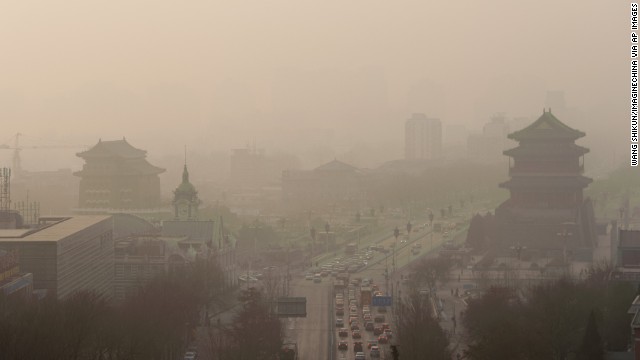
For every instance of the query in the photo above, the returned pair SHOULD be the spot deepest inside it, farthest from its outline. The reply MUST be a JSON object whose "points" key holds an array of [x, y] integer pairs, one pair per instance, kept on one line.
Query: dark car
{"points": [[382, 339], [340, 312], [343, 332], [343, 345], [369, 326], [355, 326], [379, 318], [357, 346], [377, 330], [356, 334]]}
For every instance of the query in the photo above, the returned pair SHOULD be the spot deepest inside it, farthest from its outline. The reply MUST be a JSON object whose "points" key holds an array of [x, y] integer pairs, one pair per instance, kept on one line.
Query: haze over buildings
{"points": [[296, 76]]}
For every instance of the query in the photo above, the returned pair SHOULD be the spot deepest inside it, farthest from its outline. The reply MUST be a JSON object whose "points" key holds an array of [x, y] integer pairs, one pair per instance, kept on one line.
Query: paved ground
{"points": [[312, 333]]}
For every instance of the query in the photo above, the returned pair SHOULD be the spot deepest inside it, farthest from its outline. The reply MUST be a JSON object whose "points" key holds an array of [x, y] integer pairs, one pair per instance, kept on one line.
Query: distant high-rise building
{"points": [[423, 137]]}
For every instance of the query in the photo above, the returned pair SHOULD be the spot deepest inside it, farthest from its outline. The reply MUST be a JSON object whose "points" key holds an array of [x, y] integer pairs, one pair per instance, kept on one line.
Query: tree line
{"points": [[562, 319], [156, 323]]}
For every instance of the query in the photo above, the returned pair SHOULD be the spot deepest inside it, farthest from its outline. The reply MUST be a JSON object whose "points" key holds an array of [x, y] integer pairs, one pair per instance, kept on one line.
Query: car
{"points": [[379, 318], [377, 330], [355, 326], [385, 326], [190, 355], [383, 339], [360, 356], [308, 277], [375, 352], [355, 334], [367, 317], [369, 326], [343, 345], [340, 312], [388, 333], [344, 332], [371, 343], [340, 323], [357, 346]]}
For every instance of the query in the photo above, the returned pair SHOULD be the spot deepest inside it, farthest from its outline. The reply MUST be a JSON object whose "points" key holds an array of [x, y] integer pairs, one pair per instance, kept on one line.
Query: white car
{"points": [[339, 322], [360, 356]]}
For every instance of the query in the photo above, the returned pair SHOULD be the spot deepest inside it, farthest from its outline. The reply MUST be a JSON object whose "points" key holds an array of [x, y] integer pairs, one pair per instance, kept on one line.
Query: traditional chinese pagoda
{"points": [[116, 176], [546, 209]]}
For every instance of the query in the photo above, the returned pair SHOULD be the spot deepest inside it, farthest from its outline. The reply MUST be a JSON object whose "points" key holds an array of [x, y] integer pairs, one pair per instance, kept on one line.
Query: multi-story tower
{"points": [[546, 208], [117, 176], [423, 137]]}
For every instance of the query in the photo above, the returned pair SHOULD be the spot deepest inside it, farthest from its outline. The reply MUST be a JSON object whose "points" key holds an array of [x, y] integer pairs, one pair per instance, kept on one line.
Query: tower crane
{"points": [[16, 162]]}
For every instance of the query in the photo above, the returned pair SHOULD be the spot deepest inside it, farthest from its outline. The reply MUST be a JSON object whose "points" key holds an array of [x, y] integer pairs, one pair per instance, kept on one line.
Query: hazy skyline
{"points": [[294, 75]]}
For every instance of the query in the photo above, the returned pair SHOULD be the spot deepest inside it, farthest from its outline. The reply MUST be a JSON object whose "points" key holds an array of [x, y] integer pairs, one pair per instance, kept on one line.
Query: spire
{"points": [[185, 174]]}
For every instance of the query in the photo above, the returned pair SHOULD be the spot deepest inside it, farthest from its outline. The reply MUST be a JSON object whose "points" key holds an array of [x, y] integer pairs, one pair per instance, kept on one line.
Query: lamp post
{"points": [[396, 233], [312, 232], [565, 235], [327, 227], [431, 227]]}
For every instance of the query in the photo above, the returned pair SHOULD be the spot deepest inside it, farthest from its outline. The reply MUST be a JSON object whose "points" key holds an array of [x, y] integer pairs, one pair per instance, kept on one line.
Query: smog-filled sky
{"points": [[294, 75]]}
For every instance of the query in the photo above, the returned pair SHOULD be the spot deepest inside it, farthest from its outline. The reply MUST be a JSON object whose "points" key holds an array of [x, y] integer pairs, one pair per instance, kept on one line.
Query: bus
{"points": [[351, 248]]}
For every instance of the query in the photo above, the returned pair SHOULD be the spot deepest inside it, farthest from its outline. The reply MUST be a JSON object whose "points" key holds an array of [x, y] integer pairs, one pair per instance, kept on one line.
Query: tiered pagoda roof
{"points": [[117, 148], [135, 164], [547, 127]]}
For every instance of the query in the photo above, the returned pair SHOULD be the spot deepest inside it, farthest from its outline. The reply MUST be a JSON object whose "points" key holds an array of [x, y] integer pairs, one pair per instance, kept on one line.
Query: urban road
{"points": [[317, 334]]}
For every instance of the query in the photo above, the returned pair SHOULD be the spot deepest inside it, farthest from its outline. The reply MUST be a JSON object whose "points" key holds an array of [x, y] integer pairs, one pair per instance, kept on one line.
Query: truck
{"points": [[365, 296]]}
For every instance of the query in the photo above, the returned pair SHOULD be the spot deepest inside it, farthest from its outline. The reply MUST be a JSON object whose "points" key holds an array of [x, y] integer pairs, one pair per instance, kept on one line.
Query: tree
{"points": [[495, 334], [476, 235], [256, 333], [591, 348], [419, 334]]}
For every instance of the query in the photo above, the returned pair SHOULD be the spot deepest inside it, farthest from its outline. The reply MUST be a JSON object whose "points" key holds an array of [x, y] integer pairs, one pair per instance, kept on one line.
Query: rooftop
{"points": [[546, 127], [54, 230], [120, 148]]}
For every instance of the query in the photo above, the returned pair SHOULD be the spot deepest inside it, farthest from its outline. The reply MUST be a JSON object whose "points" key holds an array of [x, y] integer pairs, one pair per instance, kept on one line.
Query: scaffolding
{"points": [[5, 189], [30, 212]]}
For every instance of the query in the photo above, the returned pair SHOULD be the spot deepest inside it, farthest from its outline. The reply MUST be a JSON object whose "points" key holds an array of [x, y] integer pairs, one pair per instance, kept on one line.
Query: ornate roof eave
{"points": [[547, 127], [573, 150], [546, 182]]}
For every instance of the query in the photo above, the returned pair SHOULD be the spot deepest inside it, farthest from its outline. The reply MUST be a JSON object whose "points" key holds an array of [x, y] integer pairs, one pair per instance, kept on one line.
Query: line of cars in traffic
{"points": [[360, 323]]}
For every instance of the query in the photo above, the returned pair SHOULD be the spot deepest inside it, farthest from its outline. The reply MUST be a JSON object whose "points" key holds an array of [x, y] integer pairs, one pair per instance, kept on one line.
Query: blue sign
{"points": [[381, 301]]}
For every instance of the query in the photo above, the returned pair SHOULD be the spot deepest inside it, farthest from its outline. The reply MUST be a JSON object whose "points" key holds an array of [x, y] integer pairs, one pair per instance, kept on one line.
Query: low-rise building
{"points": [[65, 254]]}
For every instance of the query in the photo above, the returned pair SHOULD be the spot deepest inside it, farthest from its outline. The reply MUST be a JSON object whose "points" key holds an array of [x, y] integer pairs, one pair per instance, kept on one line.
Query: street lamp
{"points": [[327, 227], [431, 227], [565, 235]]}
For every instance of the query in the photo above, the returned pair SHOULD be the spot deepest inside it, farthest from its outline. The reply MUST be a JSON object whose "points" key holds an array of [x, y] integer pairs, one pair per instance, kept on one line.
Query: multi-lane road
{"points": [[317, 334]]}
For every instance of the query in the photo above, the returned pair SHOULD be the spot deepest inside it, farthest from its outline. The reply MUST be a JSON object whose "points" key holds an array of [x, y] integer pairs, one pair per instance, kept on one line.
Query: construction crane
{"points": [[16, 161]]}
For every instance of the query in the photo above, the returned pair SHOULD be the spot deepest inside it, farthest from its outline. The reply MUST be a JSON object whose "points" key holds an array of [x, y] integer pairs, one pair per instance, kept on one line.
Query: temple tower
{"points": [[546, 208]]}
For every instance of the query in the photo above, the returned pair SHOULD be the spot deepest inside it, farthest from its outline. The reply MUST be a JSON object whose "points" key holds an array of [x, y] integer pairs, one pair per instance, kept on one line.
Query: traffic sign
{"points": [[381, 301]]}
